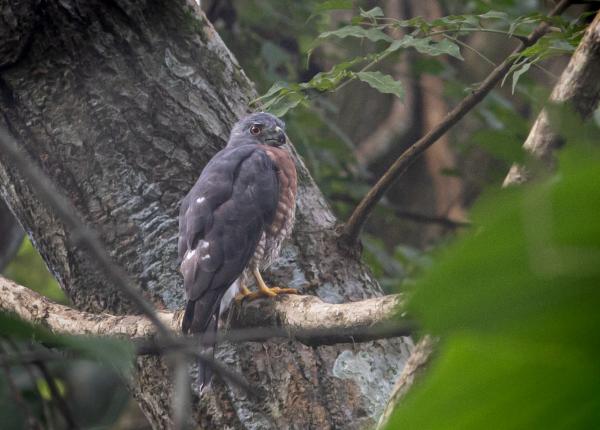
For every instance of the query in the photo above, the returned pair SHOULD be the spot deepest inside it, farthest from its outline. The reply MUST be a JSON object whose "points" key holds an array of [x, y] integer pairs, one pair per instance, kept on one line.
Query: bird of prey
{"points": [[234, 220]]}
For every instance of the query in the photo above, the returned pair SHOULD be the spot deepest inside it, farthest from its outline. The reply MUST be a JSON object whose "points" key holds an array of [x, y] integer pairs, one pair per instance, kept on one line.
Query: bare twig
{"points": [[358, 218]]}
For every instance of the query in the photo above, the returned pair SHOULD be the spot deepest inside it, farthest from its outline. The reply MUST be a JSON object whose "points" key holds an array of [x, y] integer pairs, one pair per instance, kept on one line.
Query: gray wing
{"points": [[221, 221]]}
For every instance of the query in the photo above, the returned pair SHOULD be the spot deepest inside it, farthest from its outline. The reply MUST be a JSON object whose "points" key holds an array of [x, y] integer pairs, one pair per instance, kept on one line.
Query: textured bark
{"points": [[11, 235], [121, 103], [578, 88]]}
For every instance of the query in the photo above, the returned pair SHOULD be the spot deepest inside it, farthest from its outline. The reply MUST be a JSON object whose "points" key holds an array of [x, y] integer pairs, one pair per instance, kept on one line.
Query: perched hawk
{"points": [[234, 219]]}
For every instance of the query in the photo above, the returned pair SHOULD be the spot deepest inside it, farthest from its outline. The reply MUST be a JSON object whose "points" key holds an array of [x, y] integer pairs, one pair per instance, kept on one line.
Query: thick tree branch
{"points": [[578, 87], [306, 318], [358, 218]]}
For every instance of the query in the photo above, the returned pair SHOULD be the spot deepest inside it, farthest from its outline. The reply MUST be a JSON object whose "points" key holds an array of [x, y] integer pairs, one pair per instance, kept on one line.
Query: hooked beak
{"points": [[276, 136]]}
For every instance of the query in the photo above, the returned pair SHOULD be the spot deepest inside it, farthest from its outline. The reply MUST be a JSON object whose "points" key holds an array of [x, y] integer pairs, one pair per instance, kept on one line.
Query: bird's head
{"points": [[259, 128]]}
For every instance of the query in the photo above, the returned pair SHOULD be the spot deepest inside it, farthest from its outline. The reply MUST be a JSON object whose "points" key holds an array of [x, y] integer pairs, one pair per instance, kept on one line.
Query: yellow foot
{"points": [[268, 292], [244, 292]]}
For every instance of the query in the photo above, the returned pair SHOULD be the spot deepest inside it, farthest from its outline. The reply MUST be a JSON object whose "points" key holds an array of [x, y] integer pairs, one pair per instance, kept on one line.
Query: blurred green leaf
{"points": [[502, 144], [373, 14], [382, 83], [115, 353], [516, 304], [44, 389], [490, 382]]}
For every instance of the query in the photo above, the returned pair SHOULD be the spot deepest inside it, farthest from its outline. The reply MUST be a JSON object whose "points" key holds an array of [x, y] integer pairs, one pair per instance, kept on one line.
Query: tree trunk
{"points": [[121, 103]]}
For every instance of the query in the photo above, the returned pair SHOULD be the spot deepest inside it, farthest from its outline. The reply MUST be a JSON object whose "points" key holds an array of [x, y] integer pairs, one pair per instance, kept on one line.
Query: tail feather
{"points": [[201, 317]]}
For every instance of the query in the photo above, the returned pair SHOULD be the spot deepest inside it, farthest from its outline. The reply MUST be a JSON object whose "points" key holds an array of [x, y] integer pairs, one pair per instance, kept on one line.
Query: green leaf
{"points": [[517, 74], [113, 352], [373, 34], [382, 83], [502, 144], [373, 14], [426, 45], [324, 81], [488, 382], [44, 388], [280, 106], [515, 303], [275, 90]]}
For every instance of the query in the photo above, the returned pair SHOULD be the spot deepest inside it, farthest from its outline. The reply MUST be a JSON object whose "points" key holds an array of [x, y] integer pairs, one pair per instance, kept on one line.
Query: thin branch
{"points": [[522, 39], [358, 218], [470, 48]]}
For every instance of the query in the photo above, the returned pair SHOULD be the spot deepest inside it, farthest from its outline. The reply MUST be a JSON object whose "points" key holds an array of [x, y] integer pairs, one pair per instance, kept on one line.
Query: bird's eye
{"points": [[255, 130]]}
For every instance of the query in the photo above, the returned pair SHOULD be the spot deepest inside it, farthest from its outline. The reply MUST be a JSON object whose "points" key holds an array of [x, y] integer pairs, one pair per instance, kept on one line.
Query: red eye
{"points": [[255, 130]]}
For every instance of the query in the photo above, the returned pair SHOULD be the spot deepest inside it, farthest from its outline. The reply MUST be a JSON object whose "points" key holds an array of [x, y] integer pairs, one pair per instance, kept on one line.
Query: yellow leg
{"points": [[264, 291]]}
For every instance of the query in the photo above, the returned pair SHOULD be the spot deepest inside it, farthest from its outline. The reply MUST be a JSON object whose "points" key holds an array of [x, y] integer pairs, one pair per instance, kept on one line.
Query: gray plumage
{"points": [[227, 219]]}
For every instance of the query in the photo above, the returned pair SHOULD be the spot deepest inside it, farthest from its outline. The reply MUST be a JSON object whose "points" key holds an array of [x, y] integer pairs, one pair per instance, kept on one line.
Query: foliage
{"points": [[87, 371], [515, 303], [433, 38], [67, 358]]}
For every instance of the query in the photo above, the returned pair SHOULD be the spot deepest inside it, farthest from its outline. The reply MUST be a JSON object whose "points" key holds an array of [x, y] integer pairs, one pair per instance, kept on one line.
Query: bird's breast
{"points": [[281, 227]]}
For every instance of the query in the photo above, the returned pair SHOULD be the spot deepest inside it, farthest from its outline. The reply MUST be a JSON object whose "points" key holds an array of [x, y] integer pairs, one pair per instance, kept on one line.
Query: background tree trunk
{"points": [[121, 103]]}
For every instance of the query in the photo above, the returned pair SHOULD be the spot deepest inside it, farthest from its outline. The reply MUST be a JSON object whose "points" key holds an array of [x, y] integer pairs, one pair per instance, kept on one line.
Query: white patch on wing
{"points": [[189, 254], [203, 244], [205, 257], [200, 200]]}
